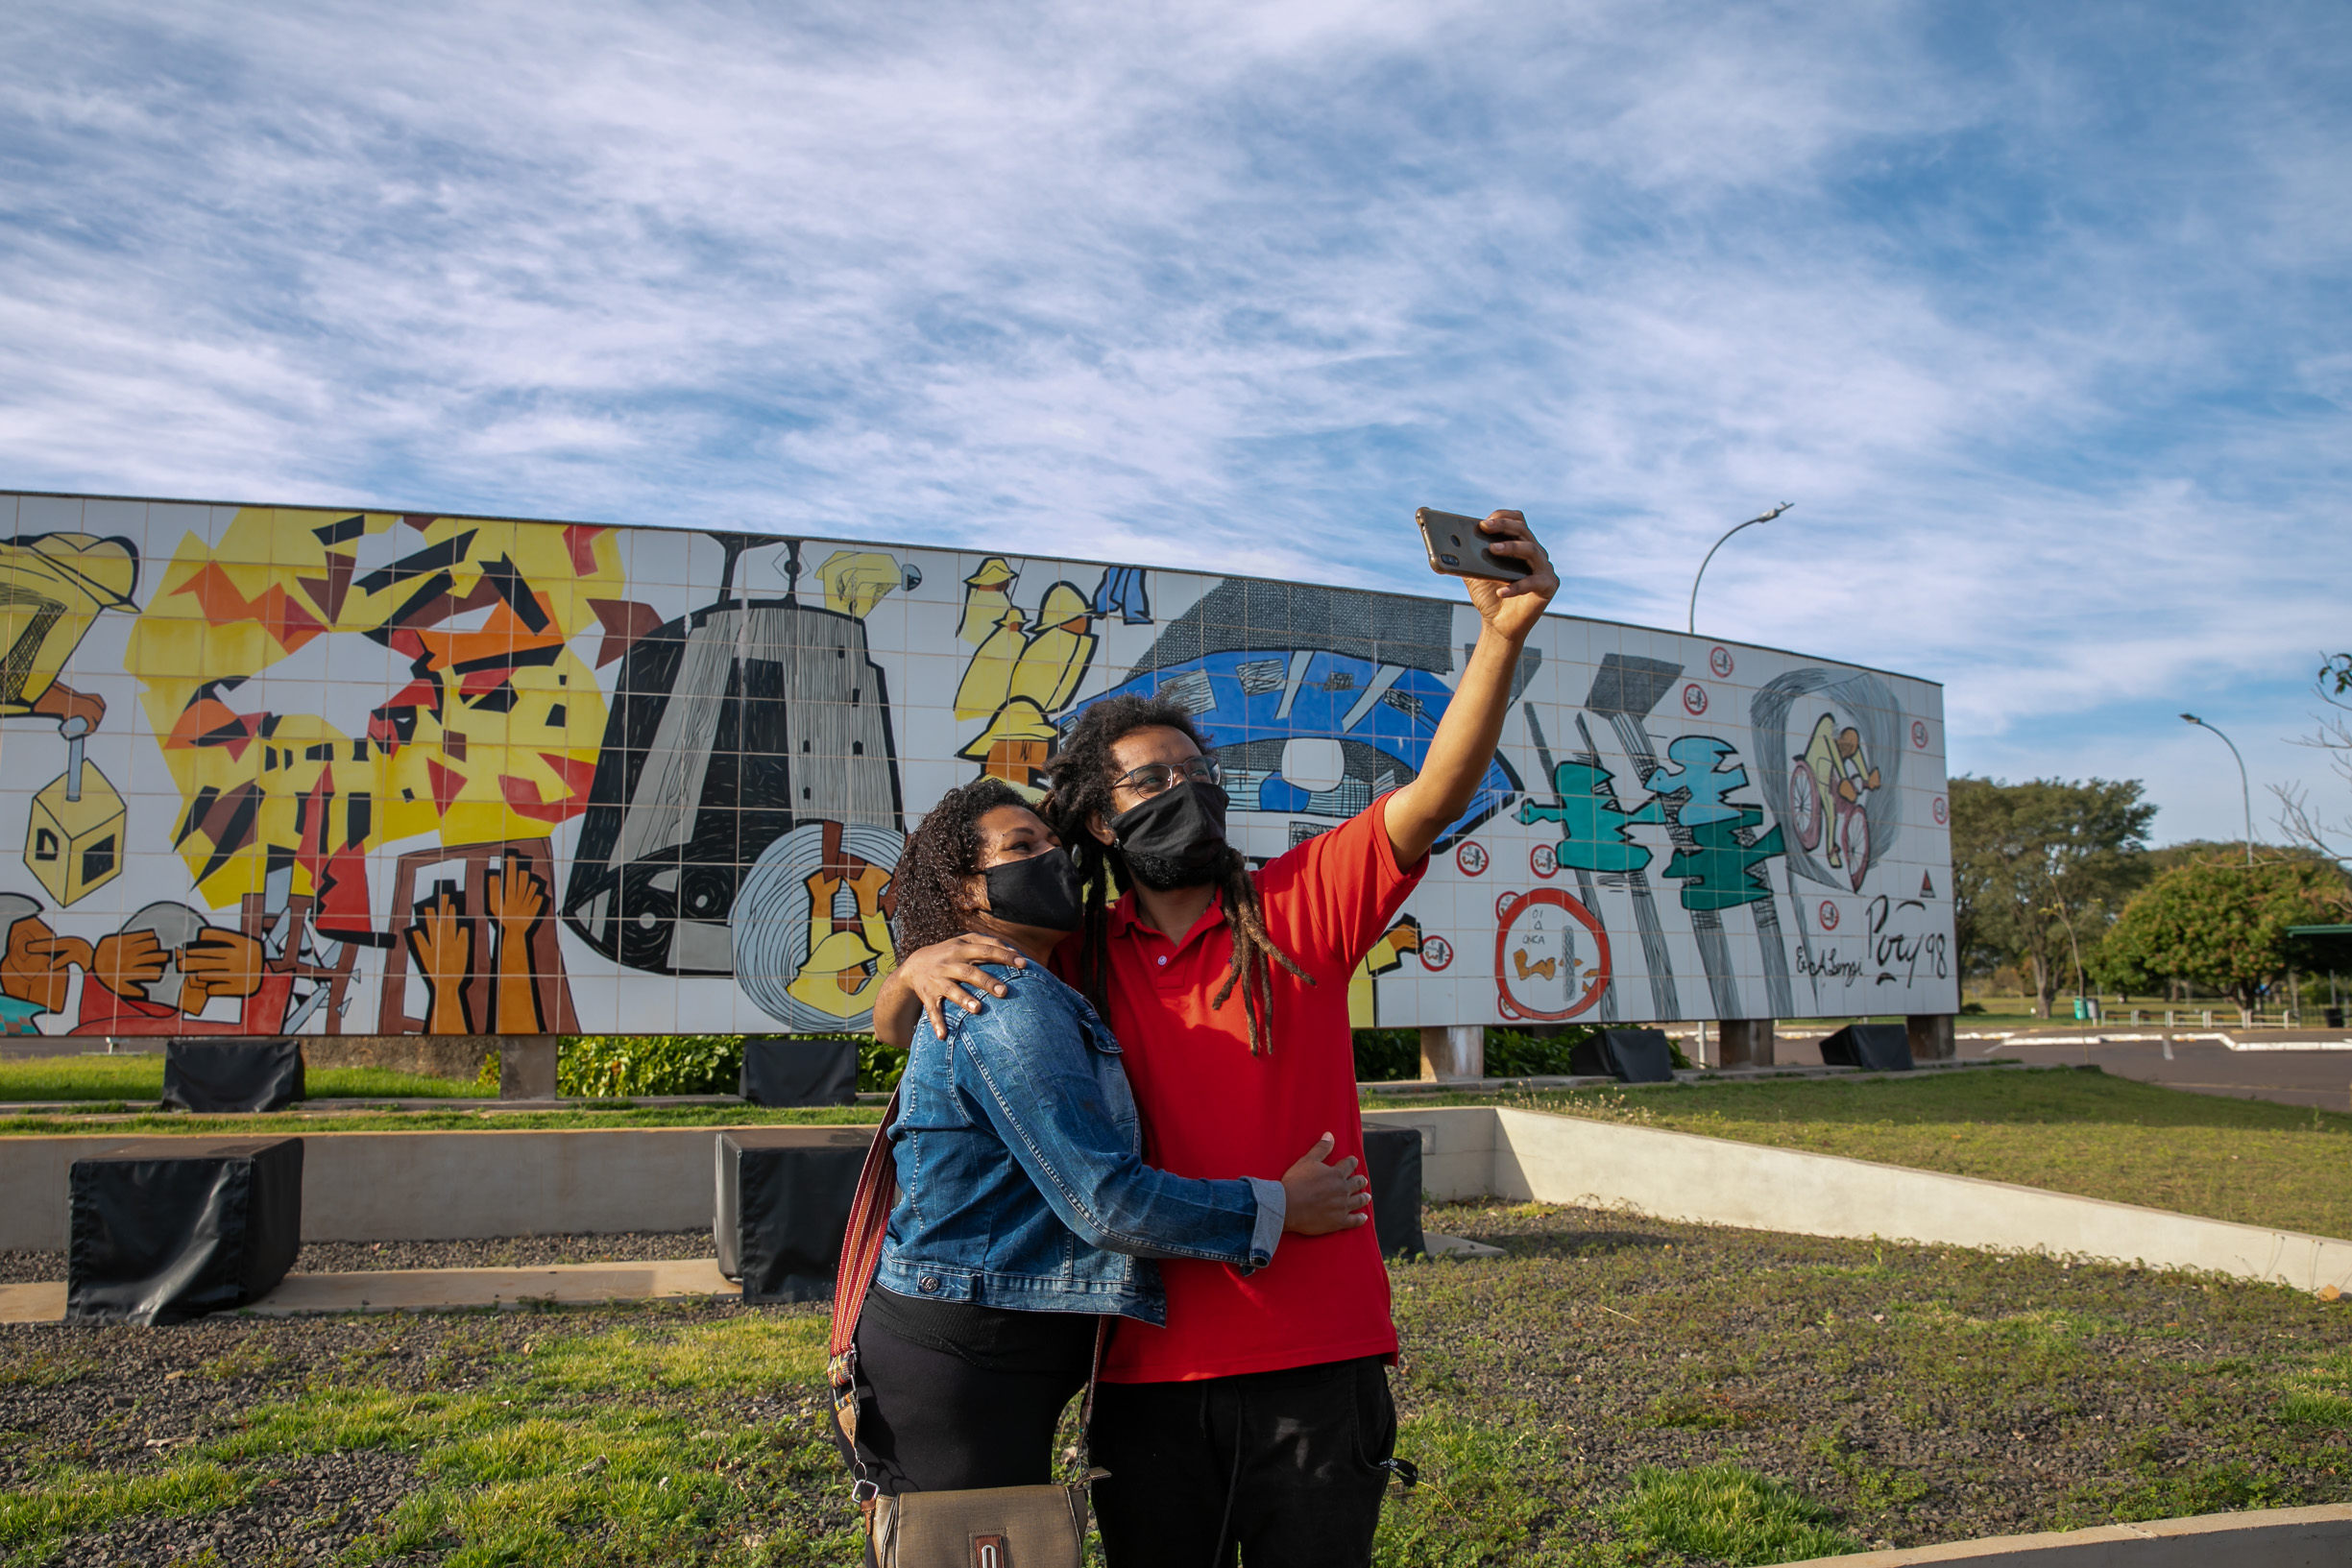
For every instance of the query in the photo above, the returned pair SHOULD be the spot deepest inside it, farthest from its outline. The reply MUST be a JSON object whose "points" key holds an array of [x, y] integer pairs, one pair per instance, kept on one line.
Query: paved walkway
{"points": [[2314, 1072]]}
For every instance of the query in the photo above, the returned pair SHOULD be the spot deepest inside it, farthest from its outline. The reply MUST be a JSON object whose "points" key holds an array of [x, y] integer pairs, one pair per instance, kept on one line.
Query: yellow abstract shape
{"points": [[856, 579], [74, 845], [1386, 955], [987, 594], [478, 759], [1015, 747], [987, 679], [51, 588], [1050, 667]]}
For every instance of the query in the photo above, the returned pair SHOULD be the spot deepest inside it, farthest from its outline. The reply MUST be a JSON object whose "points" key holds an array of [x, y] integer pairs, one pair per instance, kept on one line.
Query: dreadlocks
{"points": [[1084, 774]]}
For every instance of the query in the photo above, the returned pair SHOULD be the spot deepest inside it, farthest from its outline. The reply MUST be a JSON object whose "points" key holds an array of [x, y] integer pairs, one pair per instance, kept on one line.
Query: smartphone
{"points": [[1456, 548]]}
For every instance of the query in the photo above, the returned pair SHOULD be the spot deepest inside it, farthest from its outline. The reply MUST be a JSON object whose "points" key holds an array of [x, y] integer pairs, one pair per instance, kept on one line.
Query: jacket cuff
{"points": [[1274, 1208]]}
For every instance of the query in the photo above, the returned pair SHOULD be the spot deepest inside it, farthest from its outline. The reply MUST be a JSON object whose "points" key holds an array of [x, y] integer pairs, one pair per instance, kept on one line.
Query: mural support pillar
{"points": [[1744, 1042], [1931, 1037], [526, 1066], [1452, 1053]]}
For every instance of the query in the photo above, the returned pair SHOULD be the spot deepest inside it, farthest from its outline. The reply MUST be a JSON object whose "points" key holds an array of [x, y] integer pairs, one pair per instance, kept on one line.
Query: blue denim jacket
{"points": [[1021, 1181]]}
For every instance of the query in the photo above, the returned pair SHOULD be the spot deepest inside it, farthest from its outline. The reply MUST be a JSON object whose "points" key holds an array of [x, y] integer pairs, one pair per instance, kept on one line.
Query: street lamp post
{"points": [[2245, 794], [1693, 626]]}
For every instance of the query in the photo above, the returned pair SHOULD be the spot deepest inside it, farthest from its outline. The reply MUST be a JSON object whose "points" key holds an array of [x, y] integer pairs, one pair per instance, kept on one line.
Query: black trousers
{"points": [[1282, 1468], [932, 1422]]}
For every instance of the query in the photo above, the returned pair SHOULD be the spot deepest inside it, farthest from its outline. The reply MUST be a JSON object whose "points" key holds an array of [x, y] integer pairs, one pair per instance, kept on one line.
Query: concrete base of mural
{"points": [[1453, 1053], [436, 1186], [429, 1186], [2315, 1538], [440, 1289], [1477, 1150]]}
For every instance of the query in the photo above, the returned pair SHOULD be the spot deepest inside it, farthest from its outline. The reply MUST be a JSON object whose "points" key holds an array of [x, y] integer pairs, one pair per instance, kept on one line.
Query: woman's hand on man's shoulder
{"points": [[948, 974]]}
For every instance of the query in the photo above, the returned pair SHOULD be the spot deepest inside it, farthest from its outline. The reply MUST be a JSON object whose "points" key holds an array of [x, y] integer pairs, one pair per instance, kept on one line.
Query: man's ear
{"points": [[1101, 830]]}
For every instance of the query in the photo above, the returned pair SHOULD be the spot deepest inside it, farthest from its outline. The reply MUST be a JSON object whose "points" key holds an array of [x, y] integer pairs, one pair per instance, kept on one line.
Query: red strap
{"points": [[869, 1214]]}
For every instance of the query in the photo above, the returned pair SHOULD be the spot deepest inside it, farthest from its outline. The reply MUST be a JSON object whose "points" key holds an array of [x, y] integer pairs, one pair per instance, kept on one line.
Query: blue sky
{"points": [[2037, 313]]}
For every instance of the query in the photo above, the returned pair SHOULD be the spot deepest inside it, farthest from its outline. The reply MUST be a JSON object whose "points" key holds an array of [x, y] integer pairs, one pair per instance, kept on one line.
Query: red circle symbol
{"points": [[1918, 732], [1551, 957], [1943, 812], [1436, 953], [1694, 699], [1719, 660], [1544, 860], [1471, 858], [1829, 915], [1502, 904]]}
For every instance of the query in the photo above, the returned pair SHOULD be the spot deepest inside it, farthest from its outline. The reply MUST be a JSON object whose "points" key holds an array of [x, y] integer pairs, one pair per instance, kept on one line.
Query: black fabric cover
{"points": [[781, 1070], [1628, 1055], [1874, 1048], [168, 1229], [783, 1196], [225, 1075], [1392, 1160]]}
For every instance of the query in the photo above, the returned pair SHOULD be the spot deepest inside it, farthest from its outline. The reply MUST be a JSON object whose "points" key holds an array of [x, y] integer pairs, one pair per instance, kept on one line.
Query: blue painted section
{"points": [[1246, 691]]}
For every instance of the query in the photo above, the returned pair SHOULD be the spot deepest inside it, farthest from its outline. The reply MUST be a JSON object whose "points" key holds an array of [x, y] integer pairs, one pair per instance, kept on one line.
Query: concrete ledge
{"points": [[1472, 1150], [2319, 1537], [440, 1289], [441, 1186]]}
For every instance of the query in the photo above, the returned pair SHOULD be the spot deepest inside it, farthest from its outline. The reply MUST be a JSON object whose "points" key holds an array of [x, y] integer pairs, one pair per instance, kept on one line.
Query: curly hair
{"points": [[942, 852], [1084, 774]]}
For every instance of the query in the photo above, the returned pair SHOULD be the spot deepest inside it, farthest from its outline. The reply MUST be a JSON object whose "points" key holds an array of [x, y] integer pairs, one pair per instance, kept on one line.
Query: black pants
{"points": [[1282, 1466], [932, 1422]]}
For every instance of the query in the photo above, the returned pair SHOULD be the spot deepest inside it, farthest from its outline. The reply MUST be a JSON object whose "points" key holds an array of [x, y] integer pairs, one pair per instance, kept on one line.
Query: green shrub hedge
{"points": [[1385, 1055], [627, 1067], [637, 1066]]}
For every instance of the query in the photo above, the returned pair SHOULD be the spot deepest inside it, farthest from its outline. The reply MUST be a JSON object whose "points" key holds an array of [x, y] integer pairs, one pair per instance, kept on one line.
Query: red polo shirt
{"points": [[1211, 1109]]}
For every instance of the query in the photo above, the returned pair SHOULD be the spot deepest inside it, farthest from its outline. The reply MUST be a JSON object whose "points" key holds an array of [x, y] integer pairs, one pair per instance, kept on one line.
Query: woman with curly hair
{"points": [[1025, 1213]]}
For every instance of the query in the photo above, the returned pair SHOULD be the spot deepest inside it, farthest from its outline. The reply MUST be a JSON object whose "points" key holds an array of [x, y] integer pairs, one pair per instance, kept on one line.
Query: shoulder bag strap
{"points": [[869, 1215]]}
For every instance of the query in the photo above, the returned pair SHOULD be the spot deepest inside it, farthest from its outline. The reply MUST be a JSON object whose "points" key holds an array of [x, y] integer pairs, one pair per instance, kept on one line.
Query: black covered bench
{"points": [[168, 1229], [783, 1196]]}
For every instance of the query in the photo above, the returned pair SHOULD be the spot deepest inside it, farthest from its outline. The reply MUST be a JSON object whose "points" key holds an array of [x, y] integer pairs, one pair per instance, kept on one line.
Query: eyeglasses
{"points": [[1156, 778]]}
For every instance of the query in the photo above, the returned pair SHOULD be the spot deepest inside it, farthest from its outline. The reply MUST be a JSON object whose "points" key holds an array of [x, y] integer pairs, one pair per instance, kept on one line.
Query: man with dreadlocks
{"points": [[1259, 1417]]}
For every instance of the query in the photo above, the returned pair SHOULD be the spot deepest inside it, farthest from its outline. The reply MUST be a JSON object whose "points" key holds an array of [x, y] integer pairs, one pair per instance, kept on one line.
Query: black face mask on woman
{"points": [[1175, 839], [1041, 891]]}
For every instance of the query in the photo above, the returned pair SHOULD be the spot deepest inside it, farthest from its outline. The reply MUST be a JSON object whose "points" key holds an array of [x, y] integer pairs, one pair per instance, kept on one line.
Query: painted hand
{"points": [[1512, 608], [218, 963], [441, 941], [128, 962], [514, 898]]}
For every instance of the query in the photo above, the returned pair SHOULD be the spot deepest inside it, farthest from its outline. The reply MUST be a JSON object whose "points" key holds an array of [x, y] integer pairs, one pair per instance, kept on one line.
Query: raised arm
{"points": [[1464, 742]]}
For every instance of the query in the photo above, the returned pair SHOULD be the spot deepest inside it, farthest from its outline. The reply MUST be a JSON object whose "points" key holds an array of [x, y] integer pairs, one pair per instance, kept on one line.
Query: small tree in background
{"points": [[2218, 925], [2039, 868]]}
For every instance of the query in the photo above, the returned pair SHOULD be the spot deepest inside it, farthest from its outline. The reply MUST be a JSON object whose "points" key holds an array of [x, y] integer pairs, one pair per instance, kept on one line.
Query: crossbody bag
{"points": [[992, 1527]]}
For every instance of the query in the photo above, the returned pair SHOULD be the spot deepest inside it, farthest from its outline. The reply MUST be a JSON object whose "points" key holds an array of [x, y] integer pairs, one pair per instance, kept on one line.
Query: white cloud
{"points": [[2035, 315]]}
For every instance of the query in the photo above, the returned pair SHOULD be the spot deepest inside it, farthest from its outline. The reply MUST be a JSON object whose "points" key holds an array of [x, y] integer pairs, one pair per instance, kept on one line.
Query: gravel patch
{"points": [[1920, 1394], [481, 1252]]}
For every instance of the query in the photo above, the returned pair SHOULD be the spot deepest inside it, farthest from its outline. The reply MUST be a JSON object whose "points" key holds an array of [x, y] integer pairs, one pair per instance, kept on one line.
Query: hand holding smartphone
{"points": [[1458, 549]]}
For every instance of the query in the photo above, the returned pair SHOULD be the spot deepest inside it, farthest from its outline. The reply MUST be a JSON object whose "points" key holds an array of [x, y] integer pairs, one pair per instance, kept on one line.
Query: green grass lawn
{"points": [[1615, 1392], [2070, 1130], [141, 1076]]}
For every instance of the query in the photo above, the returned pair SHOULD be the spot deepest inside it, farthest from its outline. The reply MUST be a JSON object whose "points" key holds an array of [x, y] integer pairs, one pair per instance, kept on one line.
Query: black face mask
{"points": [[1040, 891], [1175, 839]]}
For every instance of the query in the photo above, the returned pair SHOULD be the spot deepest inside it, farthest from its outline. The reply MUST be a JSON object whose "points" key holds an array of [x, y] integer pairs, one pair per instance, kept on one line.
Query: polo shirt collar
{"points": [[1123, 919]]}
